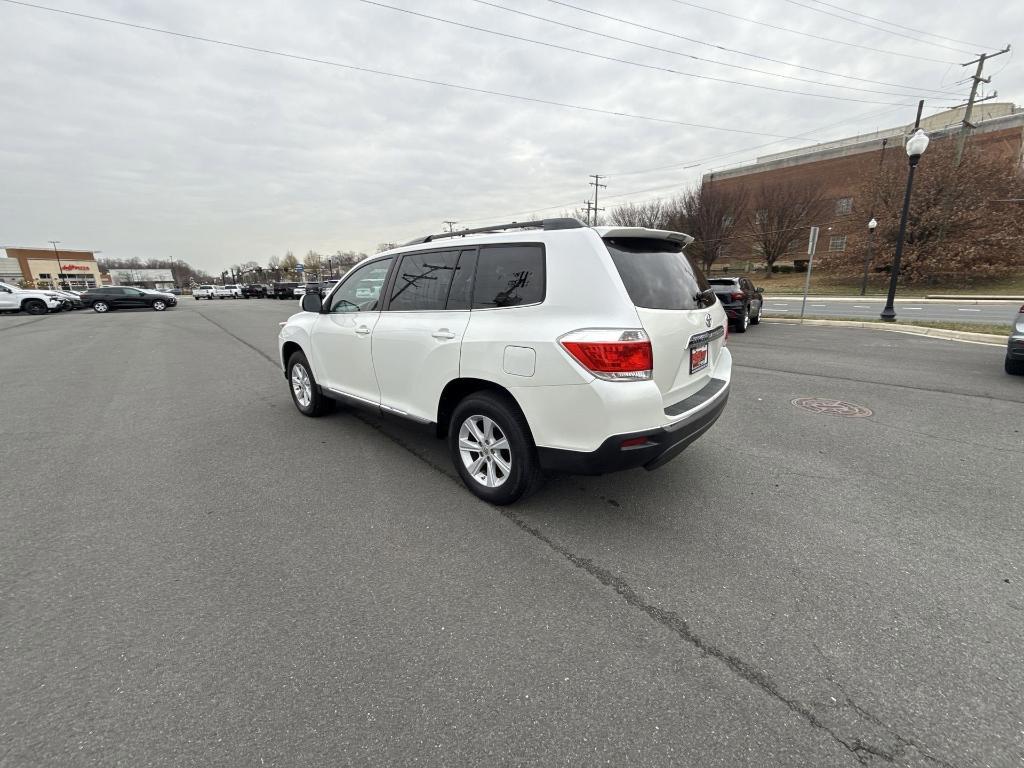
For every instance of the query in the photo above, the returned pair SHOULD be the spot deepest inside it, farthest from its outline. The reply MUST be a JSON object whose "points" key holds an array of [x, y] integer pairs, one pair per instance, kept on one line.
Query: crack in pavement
{"points": [[861, 750]]}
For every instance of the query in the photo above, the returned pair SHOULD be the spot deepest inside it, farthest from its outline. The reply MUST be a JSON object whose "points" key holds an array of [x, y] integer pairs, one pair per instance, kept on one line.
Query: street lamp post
{"points": [[60, 267], [916, 146], [868, 254]]}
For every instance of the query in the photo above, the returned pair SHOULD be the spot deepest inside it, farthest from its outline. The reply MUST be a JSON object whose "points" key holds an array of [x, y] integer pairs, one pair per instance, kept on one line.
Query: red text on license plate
{"points": [[698, 358]]}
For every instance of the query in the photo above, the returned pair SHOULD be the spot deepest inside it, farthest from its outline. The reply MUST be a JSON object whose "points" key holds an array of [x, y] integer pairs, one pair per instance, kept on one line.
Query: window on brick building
{"points": [[837, 243], [844, 205]]}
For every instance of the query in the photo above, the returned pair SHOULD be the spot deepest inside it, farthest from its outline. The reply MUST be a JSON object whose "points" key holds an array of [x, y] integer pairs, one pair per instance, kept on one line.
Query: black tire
{"points": [[159, 305], [1014, 367], [756, 319], [318, 405], [35, 307], [525, 476], [743, 322]]}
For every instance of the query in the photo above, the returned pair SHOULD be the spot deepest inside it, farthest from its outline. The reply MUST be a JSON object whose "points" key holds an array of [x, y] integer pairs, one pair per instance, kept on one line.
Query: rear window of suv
{"points": [[509, 276], [657, 274]]}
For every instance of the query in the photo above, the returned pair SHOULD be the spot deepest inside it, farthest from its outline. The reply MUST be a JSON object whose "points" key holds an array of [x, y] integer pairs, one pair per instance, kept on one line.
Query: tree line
{"points": [[965, 218]]}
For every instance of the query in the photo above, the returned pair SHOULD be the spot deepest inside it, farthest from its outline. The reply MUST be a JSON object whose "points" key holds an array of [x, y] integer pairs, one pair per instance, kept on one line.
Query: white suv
{"points": [[15, 299], [544, 346]]}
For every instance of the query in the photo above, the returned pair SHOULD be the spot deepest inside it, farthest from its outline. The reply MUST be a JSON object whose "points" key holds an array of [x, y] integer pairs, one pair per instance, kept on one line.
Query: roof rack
{"points": [[546, 224]]}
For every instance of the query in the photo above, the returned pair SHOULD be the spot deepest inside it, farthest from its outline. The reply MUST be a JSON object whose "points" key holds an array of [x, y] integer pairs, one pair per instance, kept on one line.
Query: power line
{"points": [[689, 164], [758, 56], [616, 60], [872, 26], [901, 26], [693, 56], [805, 34], [686, 164], [382, 73]]}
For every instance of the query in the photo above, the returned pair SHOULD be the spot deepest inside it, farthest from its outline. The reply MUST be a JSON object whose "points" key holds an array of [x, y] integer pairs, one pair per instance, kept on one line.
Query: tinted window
{"points": [[658, 275], [461, 294], [423, 280], [361, 291], [726, 281], [509, 275]]}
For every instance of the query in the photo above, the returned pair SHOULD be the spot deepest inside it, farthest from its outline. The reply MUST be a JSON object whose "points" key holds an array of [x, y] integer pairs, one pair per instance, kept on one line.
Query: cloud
{"points": [[141, 144]]}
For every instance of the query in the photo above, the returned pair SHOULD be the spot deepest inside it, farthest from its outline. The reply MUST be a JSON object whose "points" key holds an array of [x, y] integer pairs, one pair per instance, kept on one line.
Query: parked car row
{"points": [[104, 299]]}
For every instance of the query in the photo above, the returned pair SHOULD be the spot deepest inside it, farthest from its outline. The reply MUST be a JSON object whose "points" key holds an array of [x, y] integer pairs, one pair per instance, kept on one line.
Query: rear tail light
{"points": [[737, 296], [612, 354]]}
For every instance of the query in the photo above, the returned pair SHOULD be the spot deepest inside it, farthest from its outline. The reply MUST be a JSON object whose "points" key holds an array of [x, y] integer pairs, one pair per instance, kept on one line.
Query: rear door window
{"points": [[509, 276], [422, 281], [658, 275]]}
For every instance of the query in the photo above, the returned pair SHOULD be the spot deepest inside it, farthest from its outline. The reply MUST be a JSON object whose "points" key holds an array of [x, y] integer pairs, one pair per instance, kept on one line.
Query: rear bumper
{"points": [[660, 446]]}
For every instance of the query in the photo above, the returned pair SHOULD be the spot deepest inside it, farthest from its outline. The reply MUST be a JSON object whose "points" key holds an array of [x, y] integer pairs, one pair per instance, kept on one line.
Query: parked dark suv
{"points": [[740, 299], [123, 297], [254, 291], [283, 291]]}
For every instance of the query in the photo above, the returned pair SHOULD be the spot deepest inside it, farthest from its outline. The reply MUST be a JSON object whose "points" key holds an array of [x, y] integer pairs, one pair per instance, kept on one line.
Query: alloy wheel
{"points": [[301, 385], [485, 451]]}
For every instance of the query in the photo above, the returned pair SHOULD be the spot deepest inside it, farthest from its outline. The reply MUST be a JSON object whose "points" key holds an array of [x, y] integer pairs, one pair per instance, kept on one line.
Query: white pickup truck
{"points": [[15, 299], [203, 292], [228, 292]]}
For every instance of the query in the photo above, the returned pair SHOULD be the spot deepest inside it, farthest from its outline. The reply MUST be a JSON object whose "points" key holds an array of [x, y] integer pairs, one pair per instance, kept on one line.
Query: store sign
{"points": [[80, 267]]}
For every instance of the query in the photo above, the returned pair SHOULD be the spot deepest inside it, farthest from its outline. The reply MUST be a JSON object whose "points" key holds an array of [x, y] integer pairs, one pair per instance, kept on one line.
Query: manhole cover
{"points": [[831, 407]]}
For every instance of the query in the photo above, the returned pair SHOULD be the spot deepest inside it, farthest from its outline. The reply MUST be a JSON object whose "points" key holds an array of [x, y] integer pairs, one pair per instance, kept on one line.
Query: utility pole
{"points": [[590, 206], [597, 185], [976, 80], [60, 267], [451, 225]]}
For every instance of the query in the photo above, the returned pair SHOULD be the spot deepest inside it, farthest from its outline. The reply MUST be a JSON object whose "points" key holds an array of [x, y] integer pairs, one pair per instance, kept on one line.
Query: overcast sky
{"points": [[142, 144]]}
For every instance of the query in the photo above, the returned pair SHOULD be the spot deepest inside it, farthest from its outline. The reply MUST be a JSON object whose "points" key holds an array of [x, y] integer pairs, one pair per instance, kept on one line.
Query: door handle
{"points": [[362, 330], [443, 333]]}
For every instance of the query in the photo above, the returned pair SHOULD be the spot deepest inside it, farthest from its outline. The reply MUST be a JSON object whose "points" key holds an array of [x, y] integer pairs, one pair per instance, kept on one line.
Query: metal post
{"points": [[812, 246], [60, 266], [867, 259], [889, 312]]}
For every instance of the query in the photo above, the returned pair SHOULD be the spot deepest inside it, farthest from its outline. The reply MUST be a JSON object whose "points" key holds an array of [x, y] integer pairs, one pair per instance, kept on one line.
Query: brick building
{"points": [[841, 167]]}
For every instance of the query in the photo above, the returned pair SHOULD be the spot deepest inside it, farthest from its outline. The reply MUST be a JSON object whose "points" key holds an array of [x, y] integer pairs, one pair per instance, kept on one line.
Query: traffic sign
{"points": [[299, 267]]}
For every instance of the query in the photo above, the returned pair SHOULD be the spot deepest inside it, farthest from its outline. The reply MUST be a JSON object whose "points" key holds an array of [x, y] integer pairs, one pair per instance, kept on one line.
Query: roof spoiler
{"points": [[654, 234]]}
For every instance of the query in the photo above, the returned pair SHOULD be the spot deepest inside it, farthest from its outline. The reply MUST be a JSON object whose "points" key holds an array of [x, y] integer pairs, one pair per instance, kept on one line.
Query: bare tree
{"points": [[652, 214], [778, 212], [288, 263], [958, 225], [713, 214]]}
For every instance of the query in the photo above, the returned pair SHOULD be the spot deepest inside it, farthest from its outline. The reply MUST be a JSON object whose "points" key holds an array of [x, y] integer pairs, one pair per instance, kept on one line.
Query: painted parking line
{"points": [[916, 308], [960, 309], [861, 306], [819, 305]]}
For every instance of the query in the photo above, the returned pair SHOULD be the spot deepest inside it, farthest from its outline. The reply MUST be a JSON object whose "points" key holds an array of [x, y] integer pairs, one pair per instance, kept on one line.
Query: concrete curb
{"points": [[875, 299], [915, 330]]}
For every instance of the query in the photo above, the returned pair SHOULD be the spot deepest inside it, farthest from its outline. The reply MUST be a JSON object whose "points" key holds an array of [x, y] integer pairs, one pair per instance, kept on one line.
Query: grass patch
{"points": [[950, 325]]}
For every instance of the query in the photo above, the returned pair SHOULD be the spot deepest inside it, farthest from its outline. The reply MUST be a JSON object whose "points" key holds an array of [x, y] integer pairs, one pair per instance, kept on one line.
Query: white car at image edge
{"points": [[541, 347]]}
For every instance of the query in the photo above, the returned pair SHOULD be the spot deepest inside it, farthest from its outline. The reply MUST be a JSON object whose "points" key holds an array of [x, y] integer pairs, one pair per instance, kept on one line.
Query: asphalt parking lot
{"points": [[191, 573]]}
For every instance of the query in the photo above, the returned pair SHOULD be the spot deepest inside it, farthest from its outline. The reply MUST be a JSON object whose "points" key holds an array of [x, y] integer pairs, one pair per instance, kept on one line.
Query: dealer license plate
{"points": [[698, 358]]}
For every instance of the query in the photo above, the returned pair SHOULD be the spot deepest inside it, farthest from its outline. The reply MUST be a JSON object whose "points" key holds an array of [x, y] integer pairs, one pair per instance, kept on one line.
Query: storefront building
{"points": [[47, 268]]}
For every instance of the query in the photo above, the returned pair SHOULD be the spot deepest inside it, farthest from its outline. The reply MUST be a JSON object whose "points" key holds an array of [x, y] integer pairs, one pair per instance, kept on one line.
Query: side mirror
{"points": [[759, 290], [311, 302]]}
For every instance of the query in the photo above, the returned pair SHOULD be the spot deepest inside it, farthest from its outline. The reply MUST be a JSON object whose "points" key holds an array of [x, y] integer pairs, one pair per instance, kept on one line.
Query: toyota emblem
{"points": [[707, 320]]}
